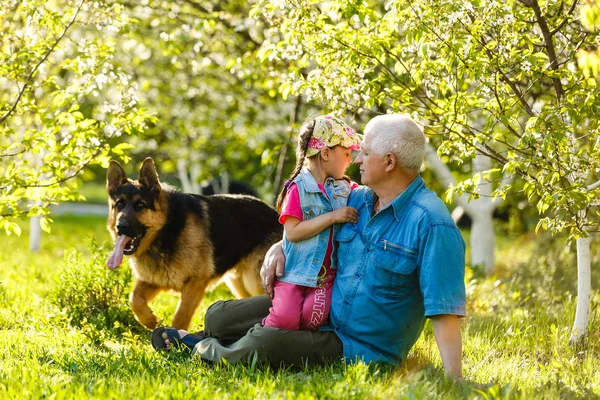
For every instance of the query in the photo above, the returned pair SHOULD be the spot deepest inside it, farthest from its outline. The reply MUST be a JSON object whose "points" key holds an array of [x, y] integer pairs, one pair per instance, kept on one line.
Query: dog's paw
{"points": [[150, 322]]}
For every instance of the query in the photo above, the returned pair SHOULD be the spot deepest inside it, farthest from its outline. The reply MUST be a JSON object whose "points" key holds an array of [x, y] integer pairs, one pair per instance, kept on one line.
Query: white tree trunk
{"points": [[182, 173], [481, 211], [35, 229], [584, 276], [584, 290], [221, 186], [35, 234], [483, 239], [189, 180]]}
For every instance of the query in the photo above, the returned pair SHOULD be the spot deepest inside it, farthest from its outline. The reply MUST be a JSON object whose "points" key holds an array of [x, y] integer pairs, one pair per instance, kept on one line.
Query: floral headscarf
{"points": [[331, 131]]}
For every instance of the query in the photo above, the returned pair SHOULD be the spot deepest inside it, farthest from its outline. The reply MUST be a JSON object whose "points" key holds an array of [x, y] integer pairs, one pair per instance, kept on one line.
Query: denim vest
{"points": [[305, 258]]}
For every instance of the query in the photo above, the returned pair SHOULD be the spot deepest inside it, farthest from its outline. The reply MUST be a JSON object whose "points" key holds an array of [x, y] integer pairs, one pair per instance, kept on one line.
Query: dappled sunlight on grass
{"points": [[515, 335]]}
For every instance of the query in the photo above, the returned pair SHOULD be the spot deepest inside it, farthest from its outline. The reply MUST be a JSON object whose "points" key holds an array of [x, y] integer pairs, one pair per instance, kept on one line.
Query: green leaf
{"points": [[86, 123], [60, 98], [45, 224]]}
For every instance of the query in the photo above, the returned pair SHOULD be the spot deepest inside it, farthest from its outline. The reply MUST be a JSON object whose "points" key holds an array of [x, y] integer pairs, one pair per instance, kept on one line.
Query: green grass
{"points": [[66, 332], [94, 192]]}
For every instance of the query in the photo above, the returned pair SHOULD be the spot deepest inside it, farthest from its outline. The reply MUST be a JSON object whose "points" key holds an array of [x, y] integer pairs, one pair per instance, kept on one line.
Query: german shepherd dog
{"points": [[184, 242]]}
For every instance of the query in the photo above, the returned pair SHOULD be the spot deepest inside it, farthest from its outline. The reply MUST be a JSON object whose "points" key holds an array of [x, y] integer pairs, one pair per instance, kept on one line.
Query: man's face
{"points": [[372, 165]]}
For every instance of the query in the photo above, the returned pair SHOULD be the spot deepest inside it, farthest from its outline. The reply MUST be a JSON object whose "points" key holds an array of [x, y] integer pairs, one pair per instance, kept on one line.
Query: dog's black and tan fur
{"points": [[184, 242]]}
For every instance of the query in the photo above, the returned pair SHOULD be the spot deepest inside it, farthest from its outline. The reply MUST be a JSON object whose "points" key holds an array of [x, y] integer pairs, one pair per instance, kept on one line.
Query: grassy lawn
{"points": [[94, 192], [67, 332]]}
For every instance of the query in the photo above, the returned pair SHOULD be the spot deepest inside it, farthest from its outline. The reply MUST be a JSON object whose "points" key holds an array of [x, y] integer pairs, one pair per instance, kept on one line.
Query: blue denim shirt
{"points": [[394, 270], [305, 258]]}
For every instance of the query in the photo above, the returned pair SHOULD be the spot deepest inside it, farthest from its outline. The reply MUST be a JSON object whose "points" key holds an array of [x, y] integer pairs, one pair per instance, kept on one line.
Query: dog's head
{"points": [[134, 209]]}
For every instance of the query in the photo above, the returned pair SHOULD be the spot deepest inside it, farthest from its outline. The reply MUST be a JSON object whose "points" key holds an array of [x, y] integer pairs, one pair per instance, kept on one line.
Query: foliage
{"points": [[196, 65], [589, 59], [94, 192], [93, 296], [491, 77], [514, 338], [61, 100]]}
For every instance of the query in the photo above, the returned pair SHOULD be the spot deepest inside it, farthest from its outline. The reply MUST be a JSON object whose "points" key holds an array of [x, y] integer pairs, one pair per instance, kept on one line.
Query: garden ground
{"points": [[67, 332]]}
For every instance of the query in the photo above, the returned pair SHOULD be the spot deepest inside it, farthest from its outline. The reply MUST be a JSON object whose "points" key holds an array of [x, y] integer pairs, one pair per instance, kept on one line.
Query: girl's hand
{"points": [[345, 214]]}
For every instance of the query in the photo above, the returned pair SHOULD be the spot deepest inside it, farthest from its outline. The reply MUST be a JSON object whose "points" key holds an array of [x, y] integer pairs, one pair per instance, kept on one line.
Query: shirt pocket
{"points": [[395, 266], [344, 239]]}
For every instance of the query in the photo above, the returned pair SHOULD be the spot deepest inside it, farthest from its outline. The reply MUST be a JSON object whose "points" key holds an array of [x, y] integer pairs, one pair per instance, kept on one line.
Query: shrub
{"points": [[94, 297]]}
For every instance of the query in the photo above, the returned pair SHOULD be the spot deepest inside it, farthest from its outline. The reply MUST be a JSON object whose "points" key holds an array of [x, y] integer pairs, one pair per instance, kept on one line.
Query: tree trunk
{"points": [[584, 290], [278, 182], [483, 238], [481, 211], [189, 180], [35, 234], [183, 175], [221, 186], [35, 229]]}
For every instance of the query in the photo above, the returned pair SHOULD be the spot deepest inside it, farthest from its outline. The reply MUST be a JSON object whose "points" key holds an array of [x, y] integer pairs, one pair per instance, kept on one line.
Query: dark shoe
{"points": [[187, 342]]}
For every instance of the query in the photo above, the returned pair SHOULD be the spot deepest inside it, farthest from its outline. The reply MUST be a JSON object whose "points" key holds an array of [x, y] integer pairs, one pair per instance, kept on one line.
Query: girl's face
{"points": [[338, 162]]}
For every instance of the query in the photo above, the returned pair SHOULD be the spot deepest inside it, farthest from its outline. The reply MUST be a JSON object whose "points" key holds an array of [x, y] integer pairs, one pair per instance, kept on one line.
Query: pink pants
{"points": [[298, 307]]}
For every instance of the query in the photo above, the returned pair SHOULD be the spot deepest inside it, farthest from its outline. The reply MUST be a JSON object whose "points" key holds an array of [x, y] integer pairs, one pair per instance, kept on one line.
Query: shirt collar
{"points": [[400, 202], [310, 184]]}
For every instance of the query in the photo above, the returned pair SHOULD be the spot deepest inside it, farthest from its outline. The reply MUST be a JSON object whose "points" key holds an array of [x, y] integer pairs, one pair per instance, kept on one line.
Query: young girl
{"points": [[315, 196]]}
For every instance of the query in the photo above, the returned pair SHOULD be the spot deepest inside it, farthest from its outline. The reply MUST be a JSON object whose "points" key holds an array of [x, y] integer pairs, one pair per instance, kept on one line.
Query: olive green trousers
{"points": [[237, 335]]}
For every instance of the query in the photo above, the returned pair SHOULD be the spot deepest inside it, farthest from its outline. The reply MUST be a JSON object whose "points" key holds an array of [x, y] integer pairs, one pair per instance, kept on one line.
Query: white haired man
{"points": [[402, 262]]}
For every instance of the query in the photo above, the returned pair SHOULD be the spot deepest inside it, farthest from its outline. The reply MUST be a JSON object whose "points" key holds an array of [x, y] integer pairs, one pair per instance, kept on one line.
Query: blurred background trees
{"points": [[62, 99], [491, 80], [218, 108], [213, 89]]}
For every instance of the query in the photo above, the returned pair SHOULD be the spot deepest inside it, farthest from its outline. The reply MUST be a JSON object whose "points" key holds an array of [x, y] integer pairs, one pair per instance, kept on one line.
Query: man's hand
{"points": [[446, 329], [273, 265]]}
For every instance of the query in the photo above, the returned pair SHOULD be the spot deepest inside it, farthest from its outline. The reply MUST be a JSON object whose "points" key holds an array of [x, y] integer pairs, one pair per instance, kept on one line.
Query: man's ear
{"points": [[391, 161], [115, 177], [148, 176]]}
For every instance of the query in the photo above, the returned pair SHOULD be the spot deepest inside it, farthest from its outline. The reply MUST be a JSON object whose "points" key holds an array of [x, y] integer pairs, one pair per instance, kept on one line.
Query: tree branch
{"points": [[77, 171], [543, 24], [593, 186], [564, 21], [386, 69], [12, 154], [217, 9], [294, 116], [503, 76], [442, 171], [44, 58]]}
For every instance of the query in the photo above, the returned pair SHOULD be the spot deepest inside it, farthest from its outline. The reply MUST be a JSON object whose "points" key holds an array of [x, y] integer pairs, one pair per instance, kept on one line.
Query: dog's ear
{"points": [[115, 177], [149, 177]]}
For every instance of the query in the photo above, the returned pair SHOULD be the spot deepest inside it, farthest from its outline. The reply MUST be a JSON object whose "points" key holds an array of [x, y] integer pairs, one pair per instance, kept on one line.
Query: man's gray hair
{"points": [[398, 134]]}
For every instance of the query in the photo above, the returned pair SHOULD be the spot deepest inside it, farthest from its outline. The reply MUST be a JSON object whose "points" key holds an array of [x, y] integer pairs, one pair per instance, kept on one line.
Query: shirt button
{"points": [[358, 275], [346, 302]]}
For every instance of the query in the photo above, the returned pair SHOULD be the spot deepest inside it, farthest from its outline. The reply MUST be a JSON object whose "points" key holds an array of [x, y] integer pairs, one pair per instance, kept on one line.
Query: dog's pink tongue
{"points": [[116, 257]]}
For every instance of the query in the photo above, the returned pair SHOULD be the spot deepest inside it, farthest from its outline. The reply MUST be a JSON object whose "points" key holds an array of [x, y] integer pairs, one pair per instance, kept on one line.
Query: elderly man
{"points": [[401, 263]]}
